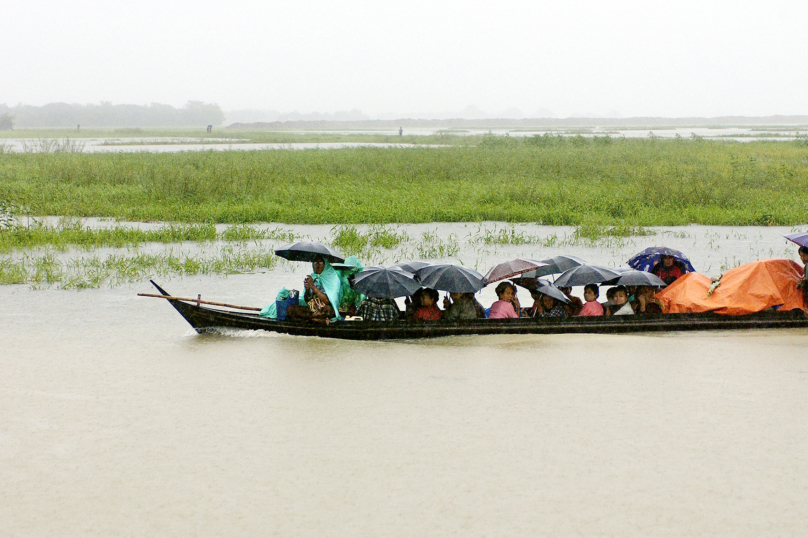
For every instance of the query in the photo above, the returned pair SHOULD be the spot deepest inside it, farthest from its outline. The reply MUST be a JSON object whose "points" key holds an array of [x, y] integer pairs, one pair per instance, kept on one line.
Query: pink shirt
{"points": [[592, 308], [502, 309]]}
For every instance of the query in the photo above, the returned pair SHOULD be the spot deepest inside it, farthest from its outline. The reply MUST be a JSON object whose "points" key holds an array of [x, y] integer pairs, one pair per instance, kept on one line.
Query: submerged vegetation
{"points": [[592, 182], [46, 269]]}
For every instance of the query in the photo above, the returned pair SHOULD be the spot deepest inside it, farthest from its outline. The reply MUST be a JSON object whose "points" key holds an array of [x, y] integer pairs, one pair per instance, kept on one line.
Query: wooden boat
{"points": [[205, 319]]}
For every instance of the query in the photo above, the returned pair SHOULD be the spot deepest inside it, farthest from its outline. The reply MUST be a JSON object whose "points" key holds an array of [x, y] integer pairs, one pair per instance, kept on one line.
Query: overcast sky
{"points": [[617, 57]]}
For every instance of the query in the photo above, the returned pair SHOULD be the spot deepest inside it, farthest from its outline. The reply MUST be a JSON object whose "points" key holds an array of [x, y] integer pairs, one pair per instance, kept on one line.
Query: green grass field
{"points": [[548, 180]]}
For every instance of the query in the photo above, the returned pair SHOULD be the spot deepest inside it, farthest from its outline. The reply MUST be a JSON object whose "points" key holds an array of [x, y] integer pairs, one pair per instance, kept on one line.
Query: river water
{"points": [[118, 420]]}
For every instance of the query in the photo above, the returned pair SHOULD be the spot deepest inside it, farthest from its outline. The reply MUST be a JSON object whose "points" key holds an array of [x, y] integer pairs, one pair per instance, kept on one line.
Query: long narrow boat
{"points": [[204, 319]]}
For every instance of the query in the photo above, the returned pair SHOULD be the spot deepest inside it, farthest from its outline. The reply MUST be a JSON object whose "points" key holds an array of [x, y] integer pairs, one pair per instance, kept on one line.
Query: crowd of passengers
{"points": [[325, 286], [423, 305]]}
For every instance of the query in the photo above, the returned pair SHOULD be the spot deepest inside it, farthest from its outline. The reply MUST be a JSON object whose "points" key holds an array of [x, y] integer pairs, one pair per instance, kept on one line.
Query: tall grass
{"points": [[549, 180]]}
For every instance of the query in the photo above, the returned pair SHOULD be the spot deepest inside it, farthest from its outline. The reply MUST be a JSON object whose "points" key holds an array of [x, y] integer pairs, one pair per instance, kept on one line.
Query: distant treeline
{"points": [[193, 114]]}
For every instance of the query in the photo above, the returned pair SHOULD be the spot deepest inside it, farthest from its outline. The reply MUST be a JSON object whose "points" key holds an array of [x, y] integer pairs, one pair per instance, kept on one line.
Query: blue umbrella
{"points": [[452, 278], [385, 282], [648, 258], [800, 238]]}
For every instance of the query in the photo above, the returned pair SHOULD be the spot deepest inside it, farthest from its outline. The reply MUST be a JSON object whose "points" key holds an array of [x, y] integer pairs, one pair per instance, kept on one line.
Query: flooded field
{"points": [[242, 141], [119, 420]]}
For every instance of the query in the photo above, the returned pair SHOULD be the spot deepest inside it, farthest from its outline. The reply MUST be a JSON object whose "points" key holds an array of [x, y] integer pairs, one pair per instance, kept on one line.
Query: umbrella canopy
{"points": [[511, 268], [452, 278], [555, 265], [648, 258], [385, 282], [585, 274], [552, 291], [632, 277], [800, 238], [307, 251], [412, 267]]}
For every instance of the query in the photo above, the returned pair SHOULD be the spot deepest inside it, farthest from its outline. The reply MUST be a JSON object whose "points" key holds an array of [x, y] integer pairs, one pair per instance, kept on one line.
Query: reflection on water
{"points": [[117, 419]]}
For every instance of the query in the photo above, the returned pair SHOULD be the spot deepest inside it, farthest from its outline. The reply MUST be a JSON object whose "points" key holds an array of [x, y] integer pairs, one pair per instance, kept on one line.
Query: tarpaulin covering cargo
{"points": [[746, 289]]}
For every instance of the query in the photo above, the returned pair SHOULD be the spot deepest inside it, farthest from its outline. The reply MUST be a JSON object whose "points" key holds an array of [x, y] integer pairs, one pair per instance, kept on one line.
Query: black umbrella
{"points": [[511, 268], [555, 265], [307, 251], [412, 267], [451, 278], [633, 277], [554, 292], [385, 282], [585, 274]]}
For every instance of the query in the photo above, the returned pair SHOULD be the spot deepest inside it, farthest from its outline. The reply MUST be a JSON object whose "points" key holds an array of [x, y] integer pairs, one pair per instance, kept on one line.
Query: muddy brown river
{"points": [[116, 419]]}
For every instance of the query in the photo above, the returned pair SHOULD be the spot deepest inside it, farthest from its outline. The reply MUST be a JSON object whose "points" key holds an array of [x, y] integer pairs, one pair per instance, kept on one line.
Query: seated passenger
{"points": [[378, 309], [669, 269], [592, 306], [551, 308], [646, 302], [428, 311], [608, 306], [575, 305], [621, 305], [322, 291], [508, 305], [462, 306]]}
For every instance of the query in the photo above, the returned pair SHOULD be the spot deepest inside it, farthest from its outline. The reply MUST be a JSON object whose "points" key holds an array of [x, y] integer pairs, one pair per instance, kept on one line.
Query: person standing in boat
{"points": [[323, 290], [669, 269], [803, 285]]}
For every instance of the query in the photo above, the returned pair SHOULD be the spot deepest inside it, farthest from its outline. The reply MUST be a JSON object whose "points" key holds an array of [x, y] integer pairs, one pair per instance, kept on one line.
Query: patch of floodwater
{"points": [[175, 145]]}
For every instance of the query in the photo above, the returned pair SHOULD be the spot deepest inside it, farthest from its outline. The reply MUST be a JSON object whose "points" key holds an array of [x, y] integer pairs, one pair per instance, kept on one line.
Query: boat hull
{"points": [[205, 319]]}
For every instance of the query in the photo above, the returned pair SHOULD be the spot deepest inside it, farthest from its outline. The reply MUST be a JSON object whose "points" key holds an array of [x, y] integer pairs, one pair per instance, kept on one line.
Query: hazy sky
{"points": [[649, 58]]}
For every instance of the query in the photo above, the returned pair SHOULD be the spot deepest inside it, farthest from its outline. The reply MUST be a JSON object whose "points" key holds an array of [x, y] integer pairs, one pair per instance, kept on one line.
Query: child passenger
{"points": [[621, 305], [508, 304], [592, 306]]}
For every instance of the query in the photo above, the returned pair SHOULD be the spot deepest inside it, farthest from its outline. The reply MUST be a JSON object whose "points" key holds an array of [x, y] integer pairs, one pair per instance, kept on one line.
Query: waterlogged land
{"points": [[74, 255], [548, 180]]}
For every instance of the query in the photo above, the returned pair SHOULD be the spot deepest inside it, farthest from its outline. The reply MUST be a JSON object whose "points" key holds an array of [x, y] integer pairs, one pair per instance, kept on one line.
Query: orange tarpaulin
{"points": [[746, 289]]}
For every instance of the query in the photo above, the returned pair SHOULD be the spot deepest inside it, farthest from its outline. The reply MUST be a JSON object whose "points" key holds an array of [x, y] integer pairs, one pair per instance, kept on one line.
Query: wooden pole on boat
{"points": [[199, 301]]}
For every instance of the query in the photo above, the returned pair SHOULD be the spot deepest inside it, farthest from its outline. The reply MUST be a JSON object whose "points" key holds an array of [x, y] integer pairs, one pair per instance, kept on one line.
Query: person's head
{"points": [[429, 297], [455, 296], [547, 302], [591, 292], [645, 291], [620, 295], [803, 252], [566, 291], [610, 295], [667, 261], [318, 264], [506, 291]]}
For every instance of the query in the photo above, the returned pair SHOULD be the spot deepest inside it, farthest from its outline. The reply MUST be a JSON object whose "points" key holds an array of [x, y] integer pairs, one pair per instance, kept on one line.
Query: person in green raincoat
{"points": [[322, 290], [350, 297]]}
